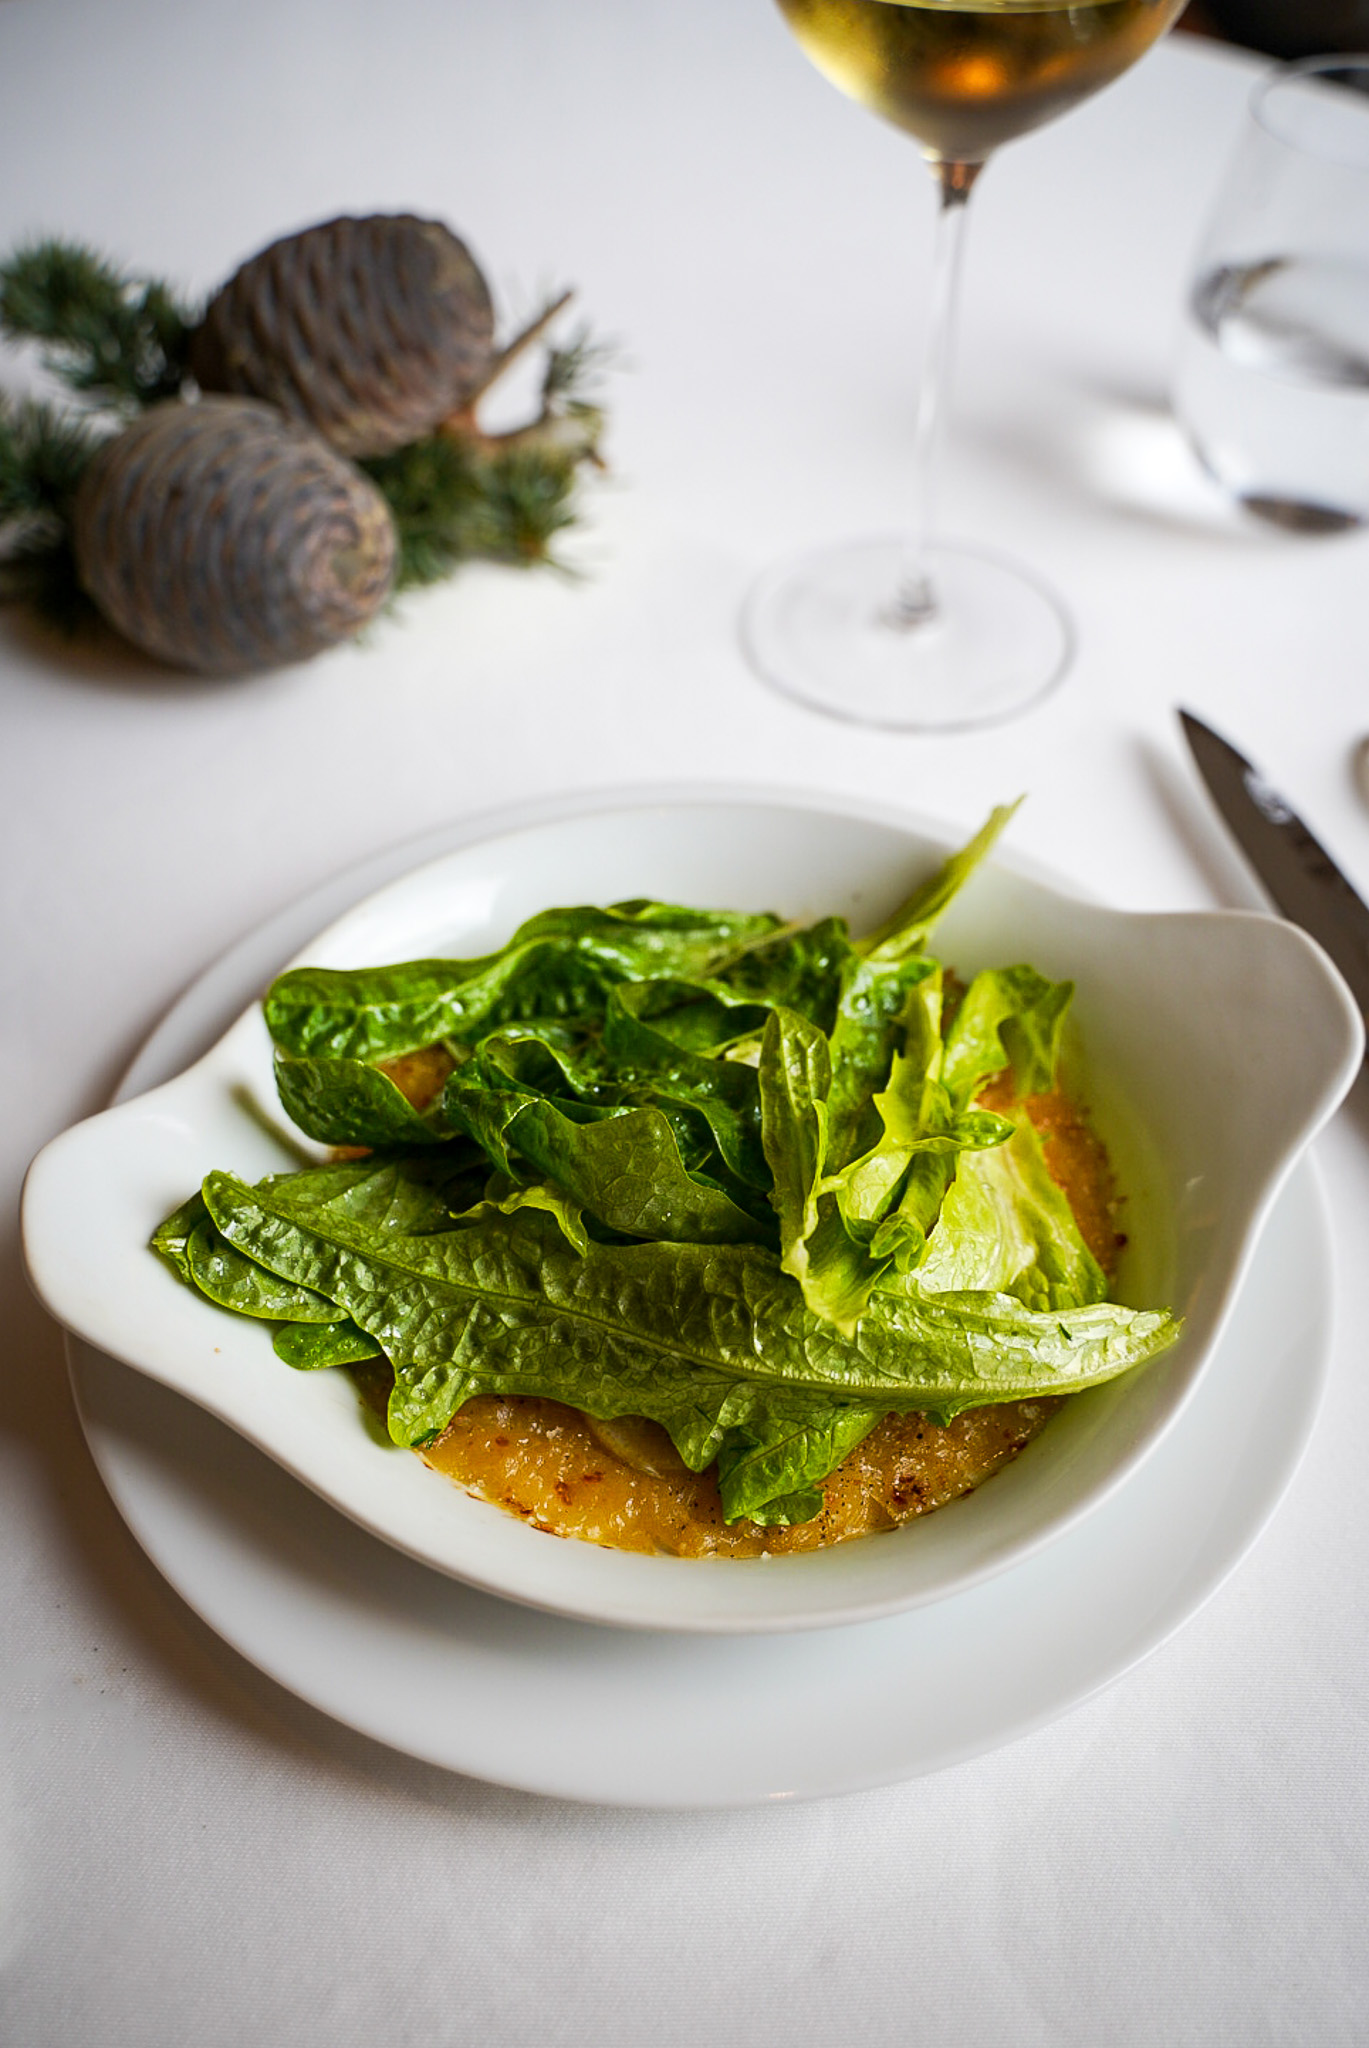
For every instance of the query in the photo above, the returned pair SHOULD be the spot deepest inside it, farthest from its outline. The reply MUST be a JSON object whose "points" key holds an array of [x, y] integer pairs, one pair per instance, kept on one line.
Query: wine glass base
{"points": [[818, 629]]}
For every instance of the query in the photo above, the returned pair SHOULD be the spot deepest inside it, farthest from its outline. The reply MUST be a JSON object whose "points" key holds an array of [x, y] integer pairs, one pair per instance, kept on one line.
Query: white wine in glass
{"points": [[906, 632]]}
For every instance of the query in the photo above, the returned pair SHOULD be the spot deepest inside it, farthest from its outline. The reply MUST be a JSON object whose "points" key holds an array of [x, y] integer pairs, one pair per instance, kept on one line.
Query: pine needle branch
{"points": [[39, 573], [43, 453], [117, 339], [453, 503], [576, 369]]}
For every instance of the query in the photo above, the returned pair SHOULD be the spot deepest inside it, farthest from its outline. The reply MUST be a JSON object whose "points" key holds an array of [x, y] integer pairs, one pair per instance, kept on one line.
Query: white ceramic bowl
{"points": [[1212, 1048]]}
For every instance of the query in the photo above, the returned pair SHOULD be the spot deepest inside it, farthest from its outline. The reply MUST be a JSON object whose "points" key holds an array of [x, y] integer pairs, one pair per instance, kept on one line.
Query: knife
{"points": [[1298, 873]]}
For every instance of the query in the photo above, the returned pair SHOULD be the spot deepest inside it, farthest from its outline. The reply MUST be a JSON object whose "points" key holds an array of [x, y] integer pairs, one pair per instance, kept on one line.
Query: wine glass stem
{"points": [[915, 602]]}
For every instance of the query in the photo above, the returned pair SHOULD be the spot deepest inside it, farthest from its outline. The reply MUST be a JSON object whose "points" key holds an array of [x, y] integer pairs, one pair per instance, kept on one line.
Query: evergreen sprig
{"points": [[115, 338], [452, 503], [574, 372], [43, 453], [40, 574]]}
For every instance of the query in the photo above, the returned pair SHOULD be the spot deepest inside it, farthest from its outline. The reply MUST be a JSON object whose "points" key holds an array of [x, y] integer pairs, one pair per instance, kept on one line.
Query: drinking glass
{"points": [[911, 632], [1272, 381]]}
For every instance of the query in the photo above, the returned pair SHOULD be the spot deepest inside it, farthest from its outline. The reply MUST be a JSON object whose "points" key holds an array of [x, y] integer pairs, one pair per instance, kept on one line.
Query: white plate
{"points": [[478, 1685], [1220, 1043]]}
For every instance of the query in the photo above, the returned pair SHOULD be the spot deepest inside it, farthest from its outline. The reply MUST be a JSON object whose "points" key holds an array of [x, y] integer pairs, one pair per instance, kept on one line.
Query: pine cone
{"points": [[224, 537], [371, 330]]}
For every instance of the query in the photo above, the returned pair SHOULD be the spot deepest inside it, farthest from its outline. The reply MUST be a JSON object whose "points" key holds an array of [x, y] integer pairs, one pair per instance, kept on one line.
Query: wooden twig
{"points": [[507, 355]]}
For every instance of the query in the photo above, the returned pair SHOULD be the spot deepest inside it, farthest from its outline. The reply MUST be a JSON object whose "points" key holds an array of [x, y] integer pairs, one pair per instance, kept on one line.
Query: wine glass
{"points": [[912, 632]]}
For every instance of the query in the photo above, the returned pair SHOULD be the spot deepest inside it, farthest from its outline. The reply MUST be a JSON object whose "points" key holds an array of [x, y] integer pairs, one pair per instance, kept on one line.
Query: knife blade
{"points": [[1296, 871]]}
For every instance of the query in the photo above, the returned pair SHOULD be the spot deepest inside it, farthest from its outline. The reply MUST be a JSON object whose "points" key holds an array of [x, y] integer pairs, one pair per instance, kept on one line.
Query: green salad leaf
{"points": [[310, 1347], [911, 925], [558, 964], [194, 1248], [708, 1340], [346, 1102], [624, 1166], [727, 1173]]}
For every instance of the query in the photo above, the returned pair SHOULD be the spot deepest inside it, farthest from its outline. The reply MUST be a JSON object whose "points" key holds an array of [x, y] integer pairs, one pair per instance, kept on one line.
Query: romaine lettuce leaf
{"points": [[558, 964], [771, 1469], [346, 1102], [313, 1347], [802, 970], [1010, 1016], [633, 1061], [1005, 1227], [708, 1340], [845, 1220], [623, 1166], [195, 1249], [910, 926]]}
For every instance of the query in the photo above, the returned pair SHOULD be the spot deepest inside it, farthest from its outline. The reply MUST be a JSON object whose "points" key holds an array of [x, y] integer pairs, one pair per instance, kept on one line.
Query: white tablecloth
{"points": [[187, 1853]]}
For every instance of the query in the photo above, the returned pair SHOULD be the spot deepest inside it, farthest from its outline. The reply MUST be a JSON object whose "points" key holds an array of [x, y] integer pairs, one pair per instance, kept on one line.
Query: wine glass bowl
{"points": [[911, 632], [964, 79]]}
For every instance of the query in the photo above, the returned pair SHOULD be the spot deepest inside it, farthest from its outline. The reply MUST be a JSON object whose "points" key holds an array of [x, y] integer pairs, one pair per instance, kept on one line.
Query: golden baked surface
{"points": [[547, 1464]]}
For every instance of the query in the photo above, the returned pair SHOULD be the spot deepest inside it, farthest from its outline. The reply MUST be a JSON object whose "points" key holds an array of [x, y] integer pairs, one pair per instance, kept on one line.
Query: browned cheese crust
{"points": [[622, 1484], [547, 1464]]}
